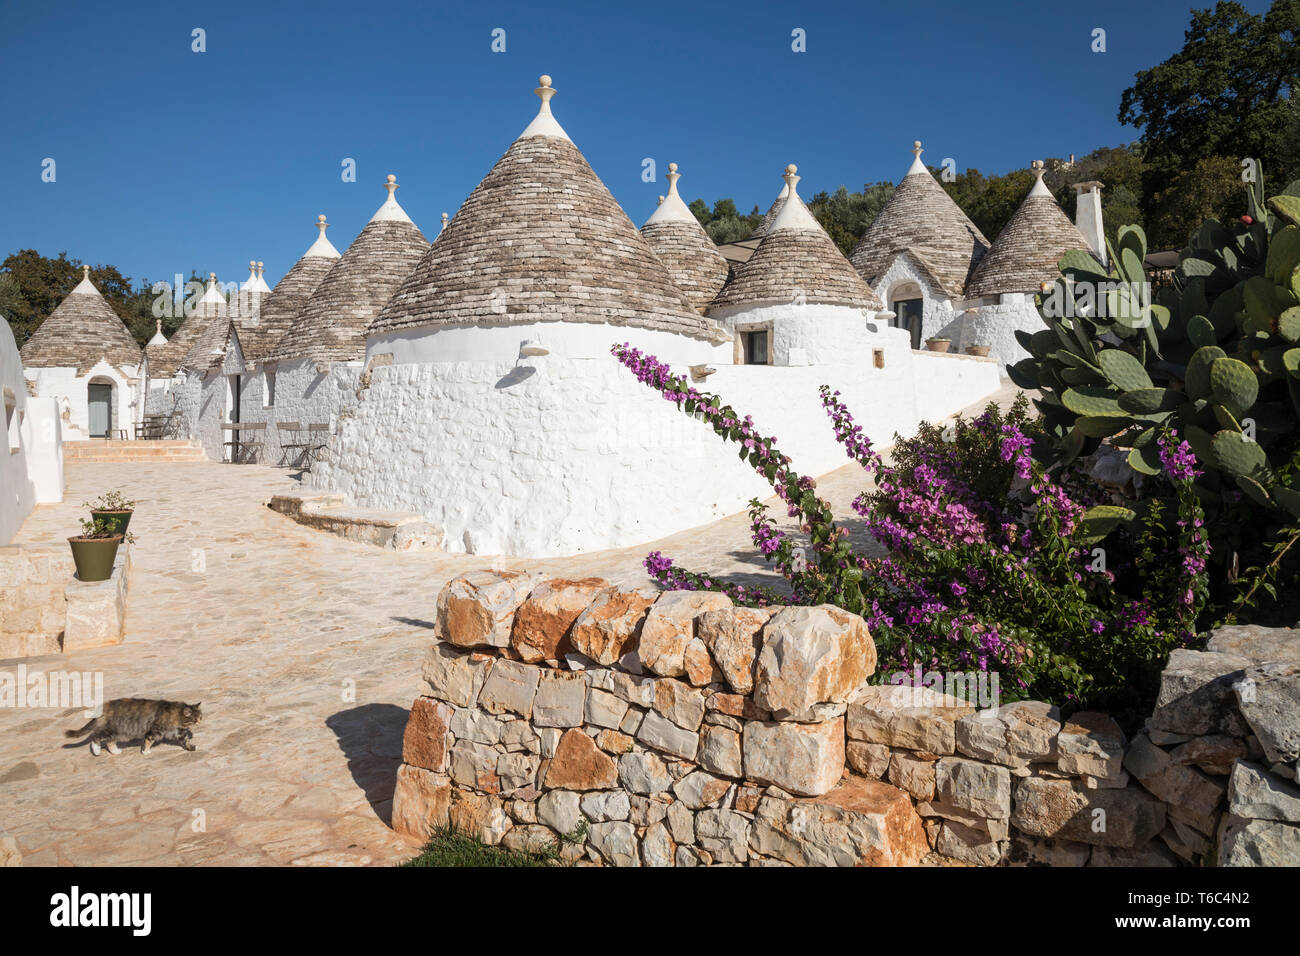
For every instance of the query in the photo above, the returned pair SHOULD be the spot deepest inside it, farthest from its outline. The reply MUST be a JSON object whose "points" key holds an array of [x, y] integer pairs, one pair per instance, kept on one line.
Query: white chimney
{"points": [[1087, 217]]}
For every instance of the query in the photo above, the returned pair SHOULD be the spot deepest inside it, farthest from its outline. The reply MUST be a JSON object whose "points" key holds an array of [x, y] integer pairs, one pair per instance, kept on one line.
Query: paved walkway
{"points": [[305, 650]]}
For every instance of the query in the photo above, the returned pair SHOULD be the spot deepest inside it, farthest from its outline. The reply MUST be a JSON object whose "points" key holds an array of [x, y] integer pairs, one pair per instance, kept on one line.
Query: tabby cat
{"points": [[133, 718]]}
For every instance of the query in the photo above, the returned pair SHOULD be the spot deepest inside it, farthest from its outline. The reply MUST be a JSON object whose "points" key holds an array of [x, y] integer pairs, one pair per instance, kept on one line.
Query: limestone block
{"points": [[698, 790], [616, 843], [803, 759], [869, 760], [560, 700], [858, 823], [1195, 695], [454, 675], [96, 611], [1190, 790], [913, 774], [983, 789], [811, 655], [479, 815], [669, 628], [660, 733], [724, 834], [643, 772], [604, 709], [720, 751], [424, 742], [1269, 698], [542, 622], [1256, 794], [477, 609], [509, 688], [1066, 810], [560, 810], [611, 625], [679, 702], [602, 806], [420, 801], [1014, 735], [734, 636], [1091, 743], [911, 718], [474, 766], [1258, 843], [580, 765], [657, 846]]}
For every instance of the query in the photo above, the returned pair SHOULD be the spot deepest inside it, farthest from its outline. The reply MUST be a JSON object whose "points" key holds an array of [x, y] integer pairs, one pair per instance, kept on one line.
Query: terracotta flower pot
{"points": [[114, 521], [938, 345], [982, 350], [94, 557]]}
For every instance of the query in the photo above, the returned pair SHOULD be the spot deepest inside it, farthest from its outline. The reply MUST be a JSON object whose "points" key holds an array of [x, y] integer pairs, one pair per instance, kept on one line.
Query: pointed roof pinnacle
{"points": [[444, 222], [1040, 188], [544, 123], [85, 286], [322, 247], [672, 208], [390, 210], [158, 337], [917, 166], [794, 214]]}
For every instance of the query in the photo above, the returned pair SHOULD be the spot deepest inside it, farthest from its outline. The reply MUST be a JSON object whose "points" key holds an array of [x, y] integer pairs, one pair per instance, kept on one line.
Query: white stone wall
{"points": [[70, 391], [31, 450], [965, 380], [993, 322], [567, 452], [302, 395], [939, 315]]}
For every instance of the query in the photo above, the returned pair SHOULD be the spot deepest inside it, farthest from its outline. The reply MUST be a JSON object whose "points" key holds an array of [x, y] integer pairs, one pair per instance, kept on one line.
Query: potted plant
{"points": [[982, 350], [95, 549], [114, 510], [938, 343]]}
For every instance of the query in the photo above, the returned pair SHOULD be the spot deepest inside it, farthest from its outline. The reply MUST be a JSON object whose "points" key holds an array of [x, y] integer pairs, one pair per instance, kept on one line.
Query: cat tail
{"points": [[83, 731]]}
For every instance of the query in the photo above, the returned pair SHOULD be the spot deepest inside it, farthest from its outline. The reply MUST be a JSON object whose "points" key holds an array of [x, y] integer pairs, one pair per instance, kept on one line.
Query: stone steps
{"points": [[392, 530], [99, 450]]}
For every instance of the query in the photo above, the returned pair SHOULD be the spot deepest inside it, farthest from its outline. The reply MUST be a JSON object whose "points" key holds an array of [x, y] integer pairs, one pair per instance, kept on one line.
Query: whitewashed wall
{"points": [[939, 315], [567, 452], [964, 380], [31, 450], [302, 395], [994, 323], [69, 389]]}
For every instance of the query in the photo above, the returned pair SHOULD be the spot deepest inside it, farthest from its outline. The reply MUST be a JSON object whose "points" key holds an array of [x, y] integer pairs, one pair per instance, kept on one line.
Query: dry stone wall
{"points": [[639, 728]]}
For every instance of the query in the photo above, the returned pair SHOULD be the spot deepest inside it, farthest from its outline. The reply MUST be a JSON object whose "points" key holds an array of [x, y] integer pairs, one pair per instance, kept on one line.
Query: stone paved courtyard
{"points": [[305, 650]]}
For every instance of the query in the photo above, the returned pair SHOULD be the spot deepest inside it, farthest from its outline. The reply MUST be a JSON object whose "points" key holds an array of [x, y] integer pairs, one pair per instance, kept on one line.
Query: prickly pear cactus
{"points": [[1217, 356]]}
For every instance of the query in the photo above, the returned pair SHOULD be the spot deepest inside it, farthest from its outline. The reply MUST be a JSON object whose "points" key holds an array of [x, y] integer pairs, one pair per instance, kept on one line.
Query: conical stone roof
{"points": [[281, 307], [677, 238], [212, 320], [922, 217], [542, 239], [332, 323], [1027, 250], [773, 211], [797, 262], [166, 360], [82, 330]]}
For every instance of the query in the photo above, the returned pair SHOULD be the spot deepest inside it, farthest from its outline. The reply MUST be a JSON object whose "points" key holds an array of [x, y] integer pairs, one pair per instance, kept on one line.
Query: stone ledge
{"points": [[392, 530], [96, 610]]}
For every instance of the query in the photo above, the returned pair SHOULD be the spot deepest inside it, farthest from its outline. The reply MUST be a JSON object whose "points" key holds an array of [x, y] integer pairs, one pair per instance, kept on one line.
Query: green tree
{"points": [[845, 216], [1226, 93]]}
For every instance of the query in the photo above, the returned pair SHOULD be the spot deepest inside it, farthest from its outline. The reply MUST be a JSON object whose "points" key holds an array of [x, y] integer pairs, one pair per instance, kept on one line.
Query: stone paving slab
{"points": [[305, 650]]}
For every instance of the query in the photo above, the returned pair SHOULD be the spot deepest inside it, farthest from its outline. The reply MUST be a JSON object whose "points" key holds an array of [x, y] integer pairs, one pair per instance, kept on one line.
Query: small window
{"points": [[878, 358], [756, 348], [268, 388]]}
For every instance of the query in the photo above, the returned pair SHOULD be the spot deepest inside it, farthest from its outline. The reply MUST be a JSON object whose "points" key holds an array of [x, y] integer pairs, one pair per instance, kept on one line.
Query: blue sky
{"points": [[169, 160]]}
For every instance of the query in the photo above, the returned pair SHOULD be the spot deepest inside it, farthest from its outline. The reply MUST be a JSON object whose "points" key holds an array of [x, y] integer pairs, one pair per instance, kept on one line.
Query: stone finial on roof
{"points": [[250, 284], [158, 337], [390, 210], [677, 238], [796, 259], [85, 286], [444, 222], [544, 123], [1027, 250], [261, 283], [917, 166], [660, 202], [1040, 188], [322, 247]]}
